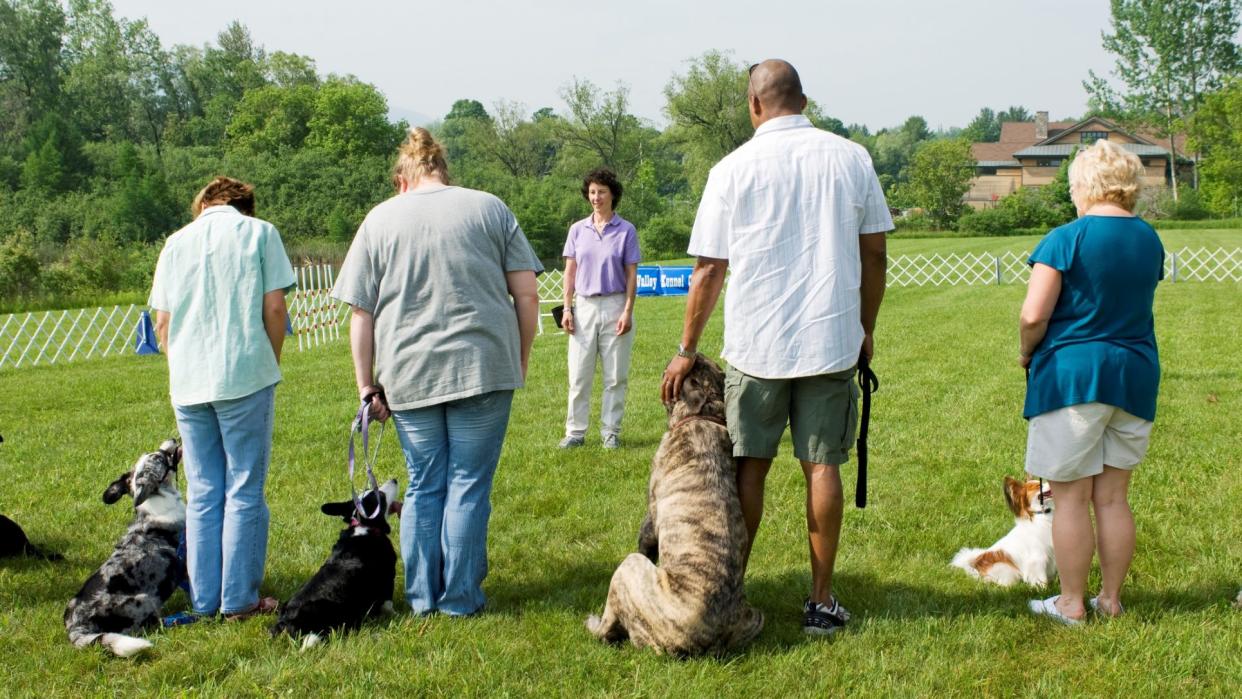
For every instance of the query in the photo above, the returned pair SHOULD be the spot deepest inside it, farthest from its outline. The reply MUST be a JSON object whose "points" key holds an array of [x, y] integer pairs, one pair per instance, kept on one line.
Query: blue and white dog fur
{"points": [[357, 579], [128, 591]]}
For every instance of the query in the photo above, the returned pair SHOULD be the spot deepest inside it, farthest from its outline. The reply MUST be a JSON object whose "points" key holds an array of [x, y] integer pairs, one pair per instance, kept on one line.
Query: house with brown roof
{"points": [[1029, 154]]}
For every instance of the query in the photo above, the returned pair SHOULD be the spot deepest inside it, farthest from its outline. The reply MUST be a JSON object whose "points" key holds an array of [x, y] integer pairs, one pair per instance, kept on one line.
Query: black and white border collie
{"points": [[128, 591], [357, 579]]}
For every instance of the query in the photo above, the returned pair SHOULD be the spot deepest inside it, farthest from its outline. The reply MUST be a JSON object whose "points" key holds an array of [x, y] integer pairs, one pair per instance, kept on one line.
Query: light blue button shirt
{"points": [[211, 278]]}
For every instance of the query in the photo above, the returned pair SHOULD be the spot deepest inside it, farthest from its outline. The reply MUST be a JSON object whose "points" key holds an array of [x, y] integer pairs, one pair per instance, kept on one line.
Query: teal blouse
{"points": [[1101, 342]]}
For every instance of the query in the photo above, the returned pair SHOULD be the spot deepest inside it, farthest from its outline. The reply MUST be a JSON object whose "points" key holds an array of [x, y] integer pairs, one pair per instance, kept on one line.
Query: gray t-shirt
{"points": [[430, 266]]}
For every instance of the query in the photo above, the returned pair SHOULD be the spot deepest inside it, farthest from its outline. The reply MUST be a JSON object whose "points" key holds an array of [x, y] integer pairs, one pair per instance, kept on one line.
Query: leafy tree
{"points": [[938, 176], [350, 118], [143, 209], [31, 60], [1216, 132], [822, 121], [290, 70], [599, 128], [707, 108], [984, 128], [1014, 113], [272, 118], [1169, 56]]}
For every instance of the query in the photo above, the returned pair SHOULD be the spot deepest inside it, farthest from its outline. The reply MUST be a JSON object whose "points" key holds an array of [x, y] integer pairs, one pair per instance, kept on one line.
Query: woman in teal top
{"points": [[1088, 340]]}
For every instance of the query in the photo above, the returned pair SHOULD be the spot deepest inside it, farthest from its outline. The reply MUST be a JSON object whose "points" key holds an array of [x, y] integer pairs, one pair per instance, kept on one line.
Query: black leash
{"points": [[869, 383]]}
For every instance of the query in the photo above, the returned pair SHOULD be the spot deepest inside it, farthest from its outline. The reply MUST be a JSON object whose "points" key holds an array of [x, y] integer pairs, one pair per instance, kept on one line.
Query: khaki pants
{"points": [[595, 336]]}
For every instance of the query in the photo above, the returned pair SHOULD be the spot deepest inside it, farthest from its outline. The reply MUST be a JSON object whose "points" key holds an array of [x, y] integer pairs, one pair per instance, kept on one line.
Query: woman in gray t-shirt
{"points": [[445, 305]]}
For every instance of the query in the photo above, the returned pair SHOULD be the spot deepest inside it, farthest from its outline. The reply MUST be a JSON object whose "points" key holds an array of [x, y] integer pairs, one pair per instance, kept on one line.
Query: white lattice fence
{"points": [[551, 293], [315, 316], [1204, 265], [47, 337]]}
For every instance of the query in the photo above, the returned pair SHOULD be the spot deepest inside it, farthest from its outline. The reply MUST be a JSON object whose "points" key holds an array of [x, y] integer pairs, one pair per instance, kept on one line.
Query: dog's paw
{"points": [[310, 640], [593, 624]]}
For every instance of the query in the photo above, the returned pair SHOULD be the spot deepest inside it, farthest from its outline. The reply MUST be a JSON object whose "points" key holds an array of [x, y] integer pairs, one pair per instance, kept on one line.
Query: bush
{"points": [[19, 266], [667, 235], [1160, 204], [1024, 209], [913, 221]]}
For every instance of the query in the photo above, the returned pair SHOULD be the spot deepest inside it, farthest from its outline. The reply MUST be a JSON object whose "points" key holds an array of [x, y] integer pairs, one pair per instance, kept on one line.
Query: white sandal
{"points": [[1048, 608]]}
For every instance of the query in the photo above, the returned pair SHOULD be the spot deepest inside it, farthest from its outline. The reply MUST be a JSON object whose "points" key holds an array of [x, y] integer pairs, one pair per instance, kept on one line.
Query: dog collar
{"points": [[691, 418]]}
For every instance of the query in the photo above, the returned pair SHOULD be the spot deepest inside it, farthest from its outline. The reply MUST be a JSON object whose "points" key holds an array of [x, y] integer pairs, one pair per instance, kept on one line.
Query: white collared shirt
{"points": [[786, 209]]}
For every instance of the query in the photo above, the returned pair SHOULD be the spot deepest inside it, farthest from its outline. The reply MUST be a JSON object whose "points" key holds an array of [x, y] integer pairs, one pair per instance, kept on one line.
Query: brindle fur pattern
{"points": [[682, 594]]}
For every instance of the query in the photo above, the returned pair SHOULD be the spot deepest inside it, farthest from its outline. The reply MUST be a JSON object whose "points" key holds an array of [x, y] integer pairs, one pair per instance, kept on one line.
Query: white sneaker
{"points": [[612, 441], [571, 442]]}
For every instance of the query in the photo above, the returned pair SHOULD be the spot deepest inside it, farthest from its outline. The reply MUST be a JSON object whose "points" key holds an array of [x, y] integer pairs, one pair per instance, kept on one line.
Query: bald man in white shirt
{"points": [[800, 216]]}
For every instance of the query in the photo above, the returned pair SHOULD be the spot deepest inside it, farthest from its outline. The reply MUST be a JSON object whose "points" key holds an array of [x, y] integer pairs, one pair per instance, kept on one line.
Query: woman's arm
{"points": [[161, 329], [525, 292], [275, 315], [1041, 298], [626, 322], [362, 345], [571, 273]]}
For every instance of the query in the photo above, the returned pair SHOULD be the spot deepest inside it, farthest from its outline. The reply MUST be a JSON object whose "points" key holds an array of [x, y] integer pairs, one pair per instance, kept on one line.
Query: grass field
{"points": [[947, 428]]}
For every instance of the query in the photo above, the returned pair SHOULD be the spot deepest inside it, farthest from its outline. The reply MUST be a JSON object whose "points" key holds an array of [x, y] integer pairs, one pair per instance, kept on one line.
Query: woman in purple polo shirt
{"points": [[601, 280]]}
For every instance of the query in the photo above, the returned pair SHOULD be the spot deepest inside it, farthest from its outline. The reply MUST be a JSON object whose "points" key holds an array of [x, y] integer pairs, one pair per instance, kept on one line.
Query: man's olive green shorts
{"points": [[821, 411]]}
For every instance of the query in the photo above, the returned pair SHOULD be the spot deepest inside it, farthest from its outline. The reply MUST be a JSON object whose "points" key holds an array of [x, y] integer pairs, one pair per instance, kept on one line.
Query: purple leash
{"points": [[360, 424]]}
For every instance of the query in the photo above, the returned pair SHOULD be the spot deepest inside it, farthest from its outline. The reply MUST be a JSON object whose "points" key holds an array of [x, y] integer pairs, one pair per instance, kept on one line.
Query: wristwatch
{"points": [[683, 352]]}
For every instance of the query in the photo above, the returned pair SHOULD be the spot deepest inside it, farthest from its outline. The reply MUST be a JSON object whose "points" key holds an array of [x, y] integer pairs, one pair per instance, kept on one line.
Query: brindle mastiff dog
{"points": [[682, 593]]}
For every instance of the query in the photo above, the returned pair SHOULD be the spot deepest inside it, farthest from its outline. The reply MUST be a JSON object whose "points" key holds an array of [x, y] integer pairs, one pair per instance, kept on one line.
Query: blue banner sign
{"points": [[648, 281], [675, 281]]}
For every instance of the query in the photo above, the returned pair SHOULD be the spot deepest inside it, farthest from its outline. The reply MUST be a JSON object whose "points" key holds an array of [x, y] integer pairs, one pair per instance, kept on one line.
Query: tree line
{"points": [[105, 135]]}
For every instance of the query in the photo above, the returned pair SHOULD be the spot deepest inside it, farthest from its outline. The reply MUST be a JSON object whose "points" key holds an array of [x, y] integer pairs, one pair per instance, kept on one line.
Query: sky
{"points": [[874, 62]]}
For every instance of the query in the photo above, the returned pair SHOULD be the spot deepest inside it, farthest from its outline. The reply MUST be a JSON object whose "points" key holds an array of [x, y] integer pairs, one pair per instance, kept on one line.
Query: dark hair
{"points": [[225, 190], [606, 177]]}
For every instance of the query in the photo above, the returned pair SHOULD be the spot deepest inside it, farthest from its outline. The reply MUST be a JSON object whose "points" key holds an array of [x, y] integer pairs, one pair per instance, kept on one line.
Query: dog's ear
{"points": [[117, 488], [344, 510], [1015, 497]]}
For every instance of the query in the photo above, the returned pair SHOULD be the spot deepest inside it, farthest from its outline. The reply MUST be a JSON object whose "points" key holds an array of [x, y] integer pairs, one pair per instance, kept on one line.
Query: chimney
{"points": [[1041, 125]]}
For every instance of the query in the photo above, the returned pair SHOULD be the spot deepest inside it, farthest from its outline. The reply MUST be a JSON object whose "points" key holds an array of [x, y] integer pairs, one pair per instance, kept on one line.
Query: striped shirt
{"points": [[786, 209]]}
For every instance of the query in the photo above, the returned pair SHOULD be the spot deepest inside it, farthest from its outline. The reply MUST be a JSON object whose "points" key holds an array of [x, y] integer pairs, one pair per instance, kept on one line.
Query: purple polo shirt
{"points": [[602, 258]]}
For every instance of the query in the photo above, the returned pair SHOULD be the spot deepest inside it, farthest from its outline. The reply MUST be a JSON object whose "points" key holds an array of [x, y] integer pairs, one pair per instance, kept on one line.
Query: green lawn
{"points": [[946, 430]]}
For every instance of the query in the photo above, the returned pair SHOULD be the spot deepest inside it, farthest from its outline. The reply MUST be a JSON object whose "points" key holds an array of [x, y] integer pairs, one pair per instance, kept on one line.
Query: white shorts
{"points": [[1078, 440]]}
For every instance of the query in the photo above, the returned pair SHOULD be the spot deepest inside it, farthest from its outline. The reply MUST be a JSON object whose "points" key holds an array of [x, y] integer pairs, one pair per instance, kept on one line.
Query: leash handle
{"points": [[362, 423], [869, 383]]}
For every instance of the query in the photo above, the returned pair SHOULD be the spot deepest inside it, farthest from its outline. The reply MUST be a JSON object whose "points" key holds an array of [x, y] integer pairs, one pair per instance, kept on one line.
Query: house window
{"points": [[1048, 162], [1092, 136], [987, 171]]}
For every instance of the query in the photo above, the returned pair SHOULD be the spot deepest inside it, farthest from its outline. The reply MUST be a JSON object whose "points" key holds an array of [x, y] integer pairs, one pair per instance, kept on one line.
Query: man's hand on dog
{"points": [[674, 374]]}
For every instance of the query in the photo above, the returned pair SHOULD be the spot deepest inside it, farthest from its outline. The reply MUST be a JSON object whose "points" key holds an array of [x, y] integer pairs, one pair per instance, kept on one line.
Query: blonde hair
{"points": [[1106, 172], [419, 156], [224, 190]]}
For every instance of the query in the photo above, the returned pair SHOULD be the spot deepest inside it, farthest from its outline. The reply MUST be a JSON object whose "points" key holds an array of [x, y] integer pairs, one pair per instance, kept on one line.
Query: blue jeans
{"points": [[451, 451], [227, 445]]}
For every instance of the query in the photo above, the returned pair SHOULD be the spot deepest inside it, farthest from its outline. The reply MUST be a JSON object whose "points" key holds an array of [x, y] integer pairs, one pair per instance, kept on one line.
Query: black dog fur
{"points": [[357, 579], [13, 541]]}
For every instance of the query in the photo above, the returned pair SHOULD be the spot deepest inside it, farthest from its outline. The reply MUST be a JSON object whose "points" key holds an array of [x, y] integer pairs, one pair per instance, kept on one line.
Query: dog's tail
{"points": [[311, 640], [991, 565], [120, 644], [124, 646]]}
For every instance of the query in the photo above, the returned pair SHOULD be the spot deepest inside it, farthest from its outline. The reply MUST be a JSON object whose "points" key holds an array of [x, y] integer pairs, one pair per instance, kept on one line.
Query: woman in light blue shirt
{"points": [[219, 298], [1088, 339]]}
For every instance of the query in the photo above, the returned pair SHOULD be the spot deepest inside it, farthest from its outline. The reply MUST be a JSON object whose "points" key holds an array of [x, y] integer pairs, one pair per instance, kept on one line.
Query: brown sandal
{"points": [[266, 605]]}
